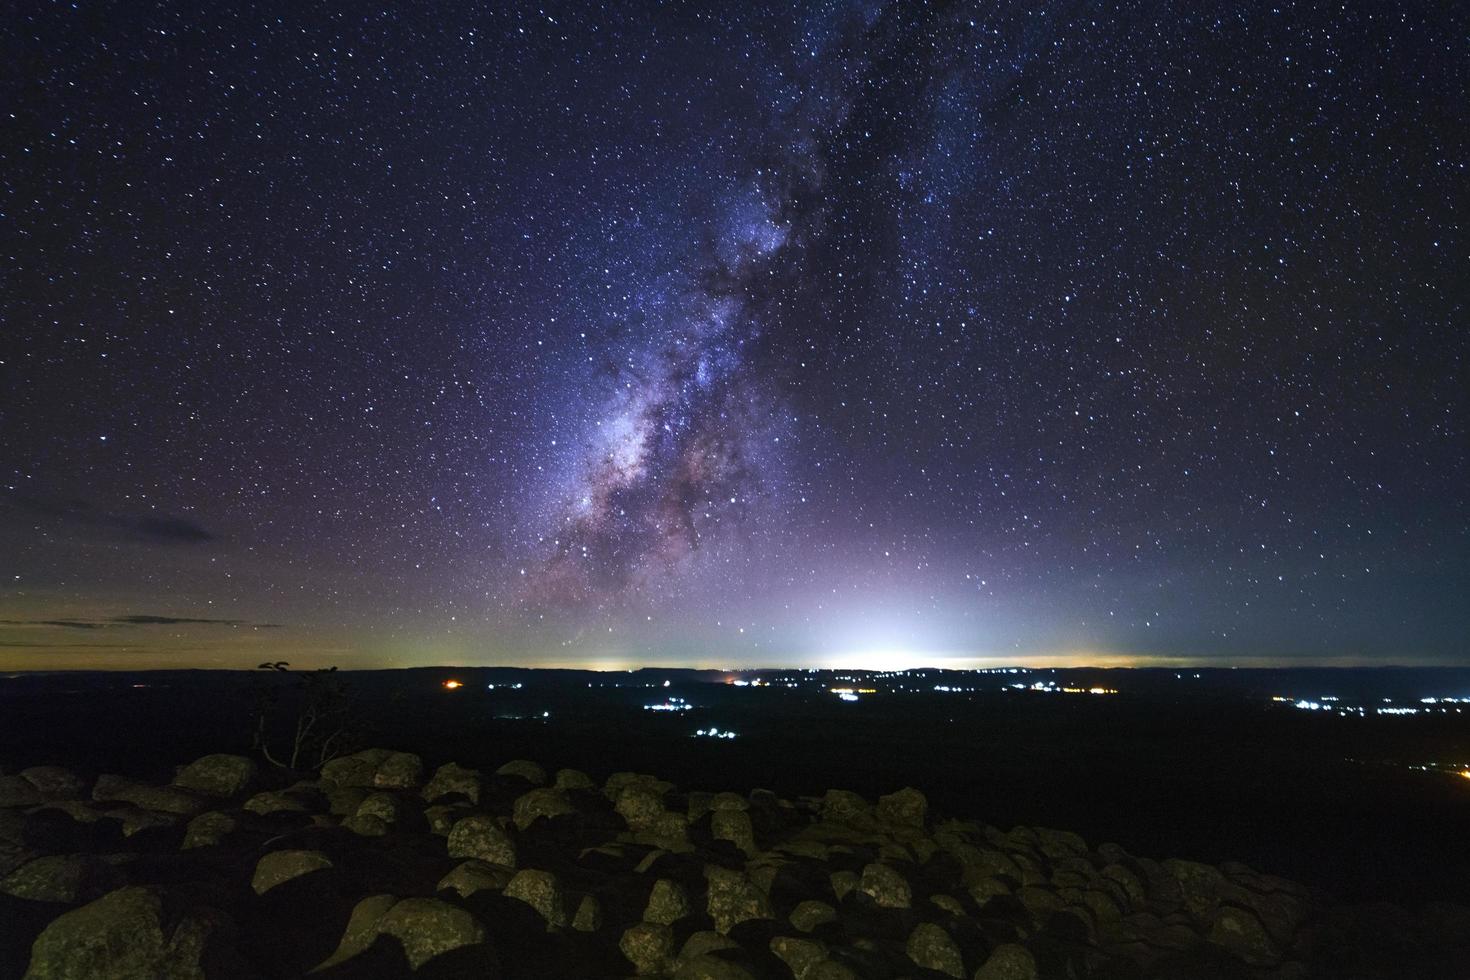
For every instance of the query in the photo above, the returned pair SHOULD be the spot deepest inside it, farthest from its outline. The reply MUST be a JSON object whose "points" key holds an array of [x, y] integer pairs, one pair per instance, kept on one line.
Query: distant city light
{"points": [[672, 704], [451, 685], [1050, 687], [713, 733]]}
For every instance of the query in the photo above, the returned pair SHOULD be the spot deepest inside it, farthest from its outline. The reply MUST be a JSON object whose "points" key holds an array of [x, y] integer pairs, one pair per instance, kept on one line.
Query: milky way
{"points": [[688, 444], [740, 333]]}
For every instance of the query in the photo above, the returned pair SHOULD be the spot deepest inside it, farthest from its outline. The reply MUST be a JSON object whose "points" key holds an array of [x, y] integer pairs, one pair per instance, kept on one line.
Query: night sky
{"points": [[735, 334]]}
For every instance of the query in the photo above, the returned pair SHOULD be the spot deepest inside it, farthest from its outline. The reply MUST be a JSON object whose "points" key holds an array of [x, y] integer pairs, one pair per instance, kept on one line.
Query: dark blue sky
{"points": [[733, 333]]}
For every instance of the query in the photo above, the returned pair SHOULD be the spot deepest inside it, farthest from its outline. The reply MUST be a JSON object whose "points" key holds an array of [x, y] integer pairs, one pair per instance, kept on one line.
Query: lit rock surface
{"points": [[217, 775], [121, 936], [479, 836], [279, 867]]}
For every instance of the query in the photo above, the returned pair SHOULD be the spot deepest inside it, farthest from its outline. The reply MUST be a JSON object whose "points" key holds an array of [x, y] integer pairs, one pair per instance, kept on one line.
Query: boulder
{"points": [[162, 799], [13, 855], [121, 936], [697, 804], [1102, 906], [478, 836], [1040, 902], [399, 770], [763, 870], [1238, 931], [16, 791], [649, 946], [60, 878], [543, 802], [704, 941], [1202, 885], [1058, 844], [844, 883], [641, 808], [55, 782], [207, 830], [886, 887], [800, 955], [1008, 961], [733, 899], [620, 782], [275, 801], [728, 801], [541, 891], [930, 947], [1134, 893], [668, 902], [134, 819], [428, 927], [385, 806], [343, 801], [453, 778], [734, 825], [357, 769], [441, 819], [217, 775], [670, 832], [589, 915], [568, 779], [844, 806], [524, 769], [362, 929], [76, 809], [647, 862], [810, 914], [473, 876], [709, 967], [906, 808], [367, 825], [279, 867]]}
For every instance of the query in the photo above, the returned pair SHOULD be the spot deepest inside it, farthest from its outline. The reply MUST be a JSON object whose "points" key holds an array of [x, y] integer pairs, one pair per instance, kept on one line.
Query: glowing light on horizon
{"points": [[672, 704], [453, 685]]}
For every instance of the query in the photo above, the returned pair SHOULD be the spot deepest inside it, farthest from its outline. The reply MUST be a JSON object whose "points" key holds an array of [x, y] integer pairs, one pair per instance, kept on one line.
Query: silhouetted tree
{"points": [[323, 722]]}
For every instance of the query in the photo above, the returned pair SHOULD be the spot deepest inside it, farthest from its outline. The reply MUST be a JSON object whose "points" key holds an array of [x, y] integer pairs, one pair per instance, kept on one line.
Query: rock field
{"points": [[377, 867]]}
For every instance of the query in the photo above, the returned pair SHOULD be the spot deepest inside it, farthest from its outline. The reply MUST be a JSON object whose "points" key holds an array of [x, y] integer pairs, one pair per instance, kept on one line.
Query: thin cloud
{"points": [[153, 528], [136, 619]]}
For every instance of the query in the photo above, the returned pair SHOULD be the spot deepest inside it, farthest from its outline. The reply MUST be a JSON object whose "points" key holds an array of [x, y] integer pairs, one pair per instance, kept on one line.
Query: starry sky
{"points": [[733, 334]]}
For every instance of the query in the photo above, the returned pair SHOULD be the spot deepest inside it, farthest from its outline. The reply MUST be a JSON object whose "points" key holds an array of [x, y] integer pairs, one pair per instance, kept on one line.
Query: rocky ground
{"points": [[378, 868]]}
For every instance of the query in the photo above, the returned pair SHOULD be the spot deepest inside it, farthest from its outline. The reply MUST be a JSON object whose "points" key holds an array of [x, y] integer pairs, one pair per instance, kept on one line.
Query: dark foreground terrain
{"points": [[1356, 826]]}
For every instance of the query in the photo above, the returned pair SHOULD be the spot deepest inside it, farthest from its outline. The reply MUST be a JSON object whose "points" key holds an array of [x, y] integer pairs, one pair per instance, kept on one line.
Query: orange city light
{"points": [[451, 685]]}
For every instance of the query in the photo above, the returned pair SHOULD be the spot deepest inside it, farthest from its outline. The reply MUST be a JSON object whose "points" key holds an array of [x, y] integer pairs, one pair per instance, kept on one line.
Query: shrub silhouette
{"points": [[323, 723]]}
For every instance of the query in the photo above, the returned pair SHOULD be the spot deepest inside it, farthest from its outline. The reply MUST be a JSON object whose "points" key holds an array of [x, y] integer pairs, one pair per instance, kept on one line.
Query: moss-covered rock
{"points": [[479, 836], [218, 775], [541, 891], [121, 936], [279, 867]]}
